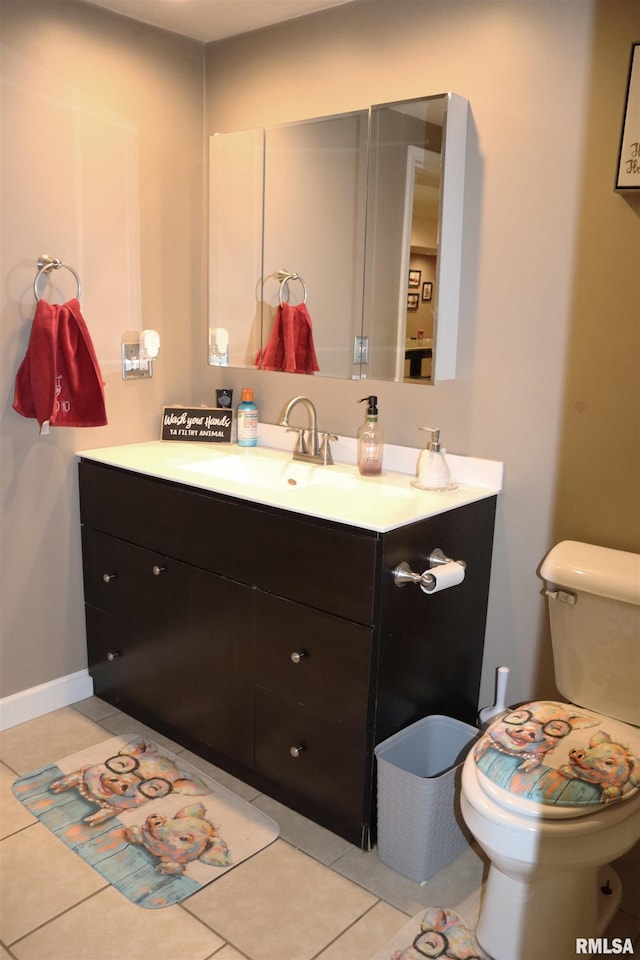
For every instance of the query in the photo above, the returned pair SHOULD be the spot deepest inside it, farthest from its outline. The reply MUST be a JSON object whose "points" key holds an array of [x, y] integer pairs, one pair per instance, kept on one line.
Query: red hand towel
{"points": [[59, 381], [290, 347]]}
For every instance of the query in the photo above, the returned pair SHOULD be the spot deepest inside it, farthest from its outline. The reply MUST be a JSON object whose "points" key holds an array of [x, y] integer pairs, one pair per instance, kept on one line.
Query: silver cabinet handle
{"points": [[158, 571], [296, 752], [298, 656], [108, 577], [111, 656]]}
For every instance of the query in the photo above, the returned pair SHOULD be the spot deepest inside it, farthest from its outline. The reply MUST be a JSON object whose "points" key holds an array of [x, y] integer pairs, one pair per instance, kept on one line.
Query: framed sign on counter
{"points": [[200, 424]]}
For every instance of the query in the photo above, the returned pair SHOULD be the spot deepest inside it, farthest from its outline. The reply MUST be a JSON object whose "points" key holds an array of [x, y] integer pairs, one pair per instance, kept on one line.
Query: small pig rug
{"points": [[434, 932], [151, 824]]}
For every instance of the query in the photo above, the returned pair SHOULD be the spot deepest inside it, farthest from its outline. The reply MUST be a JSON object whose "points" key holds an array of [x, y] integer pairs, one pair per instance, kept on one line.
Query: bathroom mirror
{"points": [[365, 210]]}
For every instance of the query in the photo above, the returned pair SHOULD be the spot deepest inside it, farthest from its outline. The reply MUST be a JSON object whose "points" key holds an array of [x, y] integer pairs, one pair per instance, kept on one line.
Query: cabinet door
{"points": [[216, 665], [313, 658], [170, 643]]}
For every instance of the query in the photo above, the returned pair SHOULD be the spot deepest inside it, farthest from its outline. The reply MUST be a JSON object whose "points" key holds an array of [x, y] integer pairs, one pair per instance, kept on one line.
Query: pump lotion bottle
{"points": [[433, 469], [370, 441]]}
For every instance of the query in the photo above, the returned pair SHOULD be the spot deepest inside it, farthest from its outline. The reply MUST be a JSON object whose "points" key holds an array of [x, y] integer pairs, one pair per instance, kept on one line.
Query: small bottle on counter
{"points": [[370, 441], [247, 420]]}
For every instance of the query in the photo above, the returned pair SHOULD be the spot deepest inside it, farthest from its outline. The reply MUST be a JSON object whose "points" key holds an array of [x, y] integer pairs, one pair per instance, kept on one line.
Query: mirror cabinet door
{"points": [[314, 218], [405, 154], [414, 237], [236, 179]]}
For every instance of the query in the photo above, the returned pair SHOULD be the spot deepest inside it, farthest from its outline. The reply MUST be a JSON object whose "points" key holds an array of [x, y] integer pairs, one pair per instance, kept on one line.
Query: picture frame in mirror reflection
{"points": [[414, 278], [412, 301], [427, 290]]}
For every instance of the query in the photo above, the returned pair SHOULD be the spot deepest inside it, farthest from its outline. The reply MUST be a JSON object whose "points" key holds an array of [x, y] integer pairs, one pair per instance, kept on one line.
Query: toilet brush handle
{"points": [[488, 713], [501, 686]]}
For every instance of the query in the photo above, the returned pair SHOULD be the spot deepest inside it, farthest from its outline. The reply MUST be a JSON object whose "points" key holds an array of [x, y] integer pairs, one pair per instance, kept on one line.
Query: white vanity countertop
{"points": [[267, 474]]}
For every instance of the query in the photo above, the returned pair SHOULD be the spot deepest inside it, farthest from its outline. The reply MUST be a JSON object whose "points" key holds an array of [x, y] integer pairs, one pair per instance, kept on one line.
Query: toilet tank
{"points": [[594, 608]]}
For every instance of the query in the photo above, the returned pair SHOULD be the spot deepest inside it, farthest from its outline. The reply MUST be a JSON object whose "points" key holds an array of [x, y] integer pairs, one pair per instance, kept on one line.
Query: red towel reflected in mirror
{"points": [[290, 347]]}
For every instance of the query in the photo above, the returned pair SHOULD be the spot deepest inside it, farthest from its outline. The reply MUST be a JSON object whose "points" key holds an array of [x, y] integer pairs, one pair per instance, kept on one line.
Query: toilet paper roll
{"points": [[446, 575]]}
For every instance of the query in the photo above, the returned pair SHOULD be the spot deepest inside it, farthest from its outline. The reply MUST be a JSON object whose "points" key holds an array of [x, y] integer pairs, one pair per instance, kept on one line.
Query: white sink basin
{"points": [[260, 471]]}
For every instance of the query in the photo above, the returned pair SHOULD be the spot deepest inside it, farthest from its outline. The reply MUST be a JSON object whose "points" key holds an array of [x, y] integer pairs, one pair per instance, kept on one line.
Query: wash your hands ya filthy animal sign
{"points": [[202, 424]]}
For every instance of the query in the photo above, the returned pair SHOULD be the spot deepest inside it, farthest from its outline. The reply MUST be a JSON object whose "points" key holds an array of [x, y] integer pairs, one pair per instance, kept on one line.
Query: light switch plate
{"points": [[361, 349], [133, 368]]}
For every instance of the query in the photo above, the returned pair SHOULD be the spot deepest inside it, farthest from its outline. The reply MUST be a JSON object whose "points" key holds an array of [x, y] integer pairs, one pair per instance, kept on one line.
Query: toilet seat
{"points": [[551, 760]]}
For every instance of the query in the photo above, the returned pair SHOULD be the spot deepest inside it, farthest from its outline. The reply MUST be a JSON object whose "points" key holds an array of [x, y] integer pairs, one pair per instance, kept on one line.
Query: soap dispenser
{"points": [[370, 440], [433, 470]]}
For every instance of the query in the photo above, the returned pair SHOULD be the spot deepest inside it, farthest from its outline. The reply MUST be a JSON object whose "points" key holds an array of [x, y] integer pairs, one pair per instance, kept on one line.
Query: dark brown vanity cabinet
{"points": [[274, 644]]}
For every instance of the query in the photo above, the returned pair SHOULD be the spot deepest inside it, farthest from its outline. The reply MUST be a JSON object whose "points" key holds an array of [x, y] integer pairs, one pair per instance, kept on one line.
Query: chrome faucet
{"points": [[308, 450]]}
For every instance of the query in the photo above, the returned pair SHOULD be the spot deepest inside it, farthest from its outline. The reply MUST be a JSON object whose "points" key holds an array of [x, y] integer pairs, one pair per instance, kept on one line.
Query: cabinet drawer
{"points": [[315, 562], [315, 659], [329, 773], [119, 577]]}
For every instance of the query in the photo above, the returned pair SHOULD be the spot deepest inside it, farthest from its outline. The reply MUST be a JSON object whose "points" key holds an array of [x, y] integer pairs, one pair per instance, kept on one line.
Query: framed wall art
{"points": [[412, 301], [628, 173]]}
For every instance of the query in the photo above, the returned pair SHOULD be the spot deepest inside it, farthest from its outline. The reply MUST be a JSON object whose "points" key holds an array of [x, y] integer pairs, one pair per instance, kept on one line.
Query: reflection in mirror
{"points": [[353, 205], [412, 271]]}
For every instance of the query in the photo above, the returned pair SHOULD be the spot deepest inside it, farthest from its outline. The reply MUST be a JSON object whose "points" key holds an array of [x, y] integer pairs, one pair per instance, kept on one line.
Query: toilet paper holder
{"points": [[403, 574]]}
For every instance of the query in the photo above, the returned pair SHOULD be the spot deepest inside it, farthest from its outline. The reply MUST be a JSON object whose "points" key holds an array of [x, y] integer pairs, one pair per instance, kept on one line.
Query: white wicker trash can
{"points": [[419, 817]]}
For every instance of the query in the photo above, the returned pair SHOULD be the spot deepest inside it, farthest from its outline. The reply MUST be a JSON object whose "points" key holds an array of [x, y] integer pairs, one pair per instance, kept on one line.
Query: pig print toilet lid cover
{"points": [[566, 759]]}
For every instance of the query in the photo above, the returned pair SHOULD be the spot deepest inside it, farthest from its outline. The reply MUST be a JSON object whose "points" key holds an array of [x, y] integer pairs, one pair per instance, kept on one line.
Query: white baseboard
{"points": [[36, 701]]}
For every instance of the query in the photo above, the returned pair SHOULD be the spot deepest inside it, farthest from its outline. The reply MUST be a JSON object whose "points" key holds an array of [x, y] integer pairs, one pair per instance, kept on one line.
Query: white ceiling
{"points": [[209, 20]]}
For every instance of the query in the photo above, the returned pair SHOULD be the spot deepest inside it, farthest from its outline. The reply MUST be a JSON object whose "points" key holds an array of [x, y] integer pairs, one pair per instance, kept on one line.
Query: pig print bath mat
{"points": [[151, 824], [434, 932]]}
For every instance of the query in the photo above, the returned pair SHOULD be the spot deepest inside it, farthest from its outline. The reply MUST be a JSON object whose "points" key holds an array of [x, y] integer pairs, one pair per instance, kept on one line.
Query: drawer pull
{"points": [[296, 752], [298, 656], [111, 656], [108, 577], [158, 571]]}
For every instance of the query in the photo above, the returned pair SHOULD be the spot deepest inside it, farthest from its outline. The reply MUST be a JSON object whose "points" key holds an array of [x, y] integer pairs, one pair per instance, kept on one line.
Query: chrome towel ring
{"points": [[47, 263], [284, 276]]}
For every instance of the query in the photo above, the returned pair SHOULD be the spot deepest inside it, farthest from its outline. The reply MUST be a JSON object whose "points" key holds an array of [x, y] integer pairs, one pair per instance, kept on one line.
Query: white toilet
{"points": [[551, 791]]}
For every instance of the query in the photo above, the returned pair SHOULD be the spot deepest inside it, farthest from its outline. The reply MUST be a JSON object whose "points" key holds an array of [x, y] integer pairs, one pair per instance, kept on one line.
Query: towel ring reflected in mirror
{"points": [[284, 276], [45, 265]]}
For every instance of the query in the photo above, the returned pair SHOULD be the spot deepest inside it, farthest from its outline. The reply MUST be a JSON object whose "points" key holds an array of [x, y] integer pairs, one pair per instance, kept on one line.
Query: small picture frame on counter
{"points": [[197, 424]]}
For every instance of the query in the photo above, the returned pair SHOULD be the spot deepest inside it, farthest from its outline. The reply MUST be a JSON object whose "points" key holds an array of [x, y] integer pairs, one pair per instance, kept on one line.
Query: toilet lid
{"points": [[552, 759]]}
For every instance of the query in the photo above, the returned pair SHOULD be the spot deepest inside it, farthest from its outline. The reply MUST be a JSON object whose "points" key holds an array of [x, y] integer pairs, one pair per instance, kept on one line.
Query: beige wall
{"points": [[102, 167], [548, 358], [550, 299]]}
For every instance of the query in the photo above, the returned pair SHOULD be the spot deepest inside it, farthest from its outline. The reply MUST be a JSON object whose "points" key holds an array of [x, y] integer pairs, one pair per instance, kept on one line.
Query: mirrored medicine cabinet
{"points": [[363, 212]]}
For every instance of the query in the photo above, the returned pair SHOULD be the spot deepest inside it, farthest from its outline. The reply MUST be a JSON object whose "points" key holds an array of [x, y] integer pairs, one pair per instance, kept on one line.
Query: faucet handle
{"points": [[301, 444], [325, 449]]}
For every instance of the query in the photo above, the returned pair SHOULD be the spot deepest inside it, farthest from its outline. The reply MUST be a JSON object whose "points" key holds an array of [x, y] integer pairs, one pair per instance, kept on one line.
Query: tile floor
{"points": [[308, 896]]}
